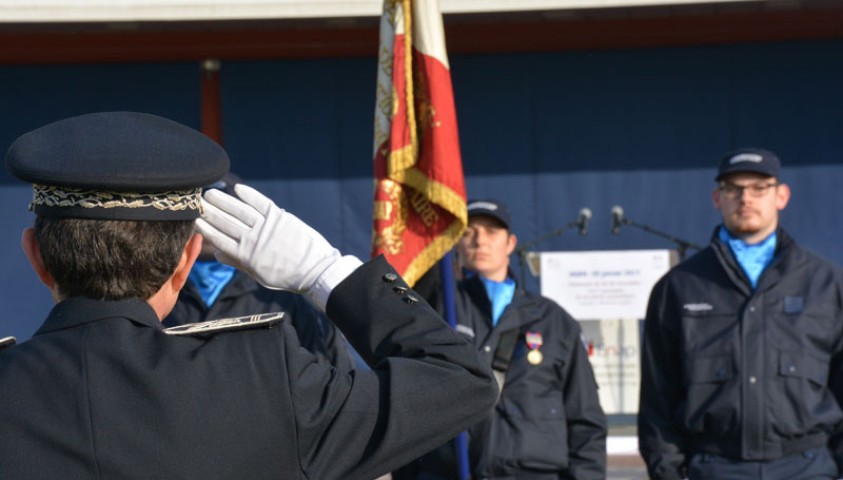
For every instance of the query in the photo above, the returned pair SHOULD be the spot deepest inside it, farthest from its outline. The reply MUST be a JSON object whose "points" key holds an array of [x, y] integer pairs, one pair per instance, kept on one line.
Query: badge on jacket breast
{"points": [[534, 342], [261, 320]]}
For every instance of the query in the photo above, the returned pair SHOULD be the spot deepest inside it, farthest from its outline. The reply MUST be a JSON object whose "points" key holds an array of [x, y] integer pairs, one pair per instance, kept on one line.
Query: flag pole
{"points": [[446, 269], [419, 208]]}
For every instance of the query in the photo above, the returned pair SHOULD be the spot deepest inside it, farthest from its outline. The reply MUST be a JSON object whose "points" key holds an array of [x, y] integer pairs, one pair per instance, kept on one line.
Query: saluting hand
{"points": [[272, 245]]}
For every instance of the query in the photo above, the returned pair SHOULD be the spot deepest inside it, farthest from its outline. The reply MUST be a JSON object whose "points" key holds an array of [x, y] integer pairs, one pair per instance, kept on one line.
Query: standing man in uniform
{"points": [[743, 344], [548, 423], [102, 390]]}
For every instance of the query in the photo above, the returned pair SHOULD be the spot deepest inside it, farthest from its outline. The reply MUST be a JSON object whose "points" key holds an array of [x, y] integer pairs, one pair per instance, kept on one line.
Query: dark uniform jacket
{"points": [[548, 423], [101, 392], [244, 296], [752, 375]]}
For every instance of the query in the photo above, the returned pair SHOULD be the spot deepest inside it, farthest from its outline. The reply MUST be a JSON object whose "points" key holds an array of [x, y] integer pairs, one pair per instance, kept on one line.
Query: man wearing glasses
{"points": [[742, 361]]}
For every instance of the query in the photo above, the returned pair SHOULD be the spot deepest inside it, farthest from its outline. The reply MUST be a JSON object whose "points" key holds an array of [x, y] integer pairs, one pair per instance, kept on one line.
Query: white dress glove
{"points": [[277, 249]]}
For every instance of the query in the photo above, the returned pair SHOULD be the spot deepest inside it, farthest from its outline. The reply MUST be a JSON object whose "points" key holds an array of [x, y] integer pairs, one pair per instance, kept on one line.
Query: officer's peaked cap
{"points": [[117, 165]]}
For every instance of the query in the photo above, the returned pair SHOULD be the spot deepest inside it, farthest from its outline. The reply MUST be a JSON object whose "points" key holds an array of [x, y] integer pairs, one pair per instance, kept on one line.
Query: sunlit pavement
{"points": [[624, 462], [626, 467]]}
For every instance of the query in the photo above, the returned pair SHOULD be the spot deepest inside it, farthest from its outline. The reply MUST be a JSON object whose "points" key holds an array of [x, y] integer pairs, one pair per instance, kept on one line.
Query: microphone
{"points": [[617, 219], [583, 219]]}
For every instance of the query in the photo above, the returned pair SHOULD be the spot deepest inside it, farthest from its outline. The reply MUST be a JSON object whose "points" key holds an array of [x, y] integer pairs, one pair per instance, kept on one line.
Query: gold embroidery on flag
{"points": [[407, 156], [437, 192], [424, 208], [395, 207], [432, 253]]}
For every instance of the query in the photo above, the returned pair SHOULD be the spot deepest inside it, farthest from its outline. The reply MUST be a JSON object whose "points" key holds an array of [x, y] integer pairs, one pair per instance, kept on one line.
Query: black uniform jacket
{"points": [[753, 375], [548, 423], [101, 392], [244, 296]]}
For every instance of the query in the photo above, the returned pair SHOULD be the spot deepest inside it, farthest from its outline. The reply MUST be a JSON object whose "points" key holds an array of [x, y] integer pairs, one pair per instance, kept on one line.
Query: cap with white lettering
{"points": [[753, 160], [489, 208]]}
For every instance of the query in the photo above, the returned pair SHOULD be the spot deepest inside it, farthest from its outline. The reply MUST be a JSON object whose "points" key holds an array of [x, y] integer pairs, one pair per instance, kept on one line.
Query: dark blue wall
{"points": [[548, 133]]}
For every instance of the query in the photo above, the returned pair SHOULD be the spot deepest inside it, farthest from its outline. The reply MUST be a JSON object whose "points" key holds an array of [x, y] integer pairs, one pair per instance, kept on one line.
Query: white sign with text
{"points": [[594, 285], [607, 291]]}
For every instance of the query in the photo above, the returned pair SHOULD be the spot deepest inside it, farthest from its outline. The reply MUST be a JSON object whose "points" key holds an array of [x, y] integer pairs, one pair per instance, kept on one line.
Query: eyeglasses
{"points": [[755, 190]]}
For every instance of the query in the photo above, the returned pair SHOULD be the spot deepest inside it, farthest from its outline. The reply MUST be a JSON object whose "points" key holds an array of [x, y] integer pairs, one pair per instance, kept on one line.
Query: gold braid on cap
{"points": [[175, 201]]}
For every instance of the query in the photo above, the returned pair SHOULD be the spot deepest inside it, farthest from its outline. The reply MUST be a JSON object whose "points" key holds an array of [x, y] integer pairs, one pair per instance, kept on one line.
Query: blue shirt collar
{"points": [[500, 294], [753, 259], [210, 278]]}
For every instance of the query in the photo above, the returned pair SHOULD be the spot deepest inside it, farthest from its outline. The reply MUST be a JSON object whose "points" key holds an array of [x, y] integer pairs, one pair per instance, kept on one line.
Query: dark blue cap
{"points": [[752, 160], [117, 165], [490, 208]]}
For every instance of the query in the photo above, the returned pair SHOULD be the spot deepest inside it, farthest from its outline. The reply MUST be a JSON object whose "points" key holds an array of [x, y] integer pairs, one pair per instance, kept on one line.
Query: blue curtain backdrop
{"points": [[547, 133]]}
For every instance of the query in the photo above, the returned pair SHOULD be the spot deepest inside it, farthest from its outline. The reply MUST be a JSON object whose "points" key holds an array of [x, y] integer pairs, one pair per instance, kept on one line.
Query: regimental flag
{"points": [[419, 210]]}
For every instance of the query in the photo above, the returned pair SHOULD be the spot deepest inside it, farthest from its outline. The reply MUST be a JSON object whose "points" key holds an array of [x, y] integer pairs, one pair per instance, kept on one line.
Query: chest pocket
{"points": [[710, 333], [712, 369], [792, 365], [710, 402], [798, 325]]}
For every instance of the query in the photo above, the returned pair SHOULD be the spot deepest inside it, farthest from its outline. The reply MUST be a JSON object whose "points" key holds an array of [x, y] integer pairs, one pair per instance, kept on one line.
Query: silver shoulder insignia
{"points": [[7, 342], [227, 324]]}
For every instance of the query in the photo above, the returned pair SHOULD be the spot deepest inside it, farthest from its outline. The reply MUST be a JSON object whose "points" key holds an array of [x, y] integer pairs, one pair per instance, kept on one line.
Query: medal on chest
{"points": [[534, 342]]}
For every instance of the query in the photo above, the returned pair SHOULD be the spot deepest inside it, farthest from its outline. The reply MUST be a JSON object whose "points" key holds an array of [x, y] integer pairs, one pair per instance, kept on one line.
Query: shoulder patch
{"points": [[7, 342], [262, 320]]}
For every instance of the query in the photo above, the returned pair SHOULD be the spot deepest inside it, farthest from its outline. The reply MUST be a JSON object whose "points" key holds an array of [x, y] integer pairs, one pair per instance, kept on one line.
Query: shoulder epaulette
{"points": [[262, 320], [7, 342]]}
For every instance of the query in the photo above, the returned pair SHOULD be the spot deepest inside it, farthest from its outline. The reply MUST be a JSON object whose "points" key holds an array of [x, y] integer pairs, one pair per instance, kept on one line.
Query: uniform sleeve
{"points": [[336, 346], [586, 420], [319, 335], [426, 383], [662, 389]]}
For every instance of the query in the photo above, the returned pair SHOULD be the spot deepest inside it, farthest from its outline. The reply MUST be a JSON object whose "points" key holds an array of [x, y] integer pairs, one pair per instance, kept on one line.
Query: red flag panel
{"points": [[419, 210]]}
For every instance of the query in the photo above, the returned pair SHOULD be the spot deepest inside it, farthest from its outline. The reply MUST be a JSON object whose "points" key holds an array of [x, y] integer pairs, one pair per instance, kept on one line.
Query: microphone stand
{"points": [[682, 245], [522, 250]]}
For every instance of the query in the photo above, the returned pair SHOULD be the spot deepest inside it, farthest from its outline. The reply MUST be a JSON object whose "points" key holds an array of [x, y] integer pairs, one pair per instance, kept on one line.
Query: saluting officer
{"points": [[103, 391]]}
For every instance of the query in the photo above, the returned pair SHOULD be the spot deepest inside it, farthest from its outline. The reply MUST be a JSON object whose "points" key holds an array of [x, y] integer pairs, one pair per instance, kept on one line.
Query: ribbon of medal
{"points": [[534, 342]]}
